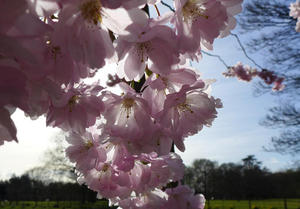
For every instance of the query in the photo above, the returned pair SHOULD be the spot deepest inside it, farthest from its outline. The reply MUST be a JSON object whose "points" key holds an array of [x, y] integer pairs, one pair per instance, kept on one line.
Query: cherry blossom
{"points": [[150, 44], [182, 197], [295, 13], [77, 109], [187, 111], [199, 22], [246, 73], [151, 200], [121, 143], [7, 127], [85, 151], [126, 116]]}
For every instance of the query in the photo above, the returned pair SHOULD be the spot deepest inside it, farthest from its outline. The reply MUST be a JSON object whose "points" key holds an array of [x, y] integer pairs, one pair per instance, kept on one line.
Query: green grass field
{"points": [[254, 204], [213, 204], [53, 205]]}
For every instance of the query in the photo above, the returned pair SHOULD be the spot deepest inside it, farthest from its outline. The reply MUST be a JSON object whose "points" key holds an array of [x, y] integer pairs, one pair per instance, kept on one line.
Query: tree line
{"points": [[247, 180], [235, 181], [24, 188]]}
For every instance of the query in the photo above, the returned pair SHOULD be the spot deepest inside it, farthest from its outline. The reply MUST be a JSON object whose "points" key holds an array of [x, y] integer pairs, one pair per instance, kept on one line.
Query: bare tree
{"points": [[272, 32], [56, 166]]}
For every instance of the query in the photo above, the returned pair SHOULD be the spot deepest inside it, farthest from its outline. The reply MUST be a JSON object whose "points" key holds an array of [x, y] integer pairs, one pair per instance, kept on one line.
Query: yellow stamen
{"points": [[127, 104], [142, 48], [191, 11], [72, 101], [91, 11], [88, 144], [183, 107], [105, 167], [55, 50]]}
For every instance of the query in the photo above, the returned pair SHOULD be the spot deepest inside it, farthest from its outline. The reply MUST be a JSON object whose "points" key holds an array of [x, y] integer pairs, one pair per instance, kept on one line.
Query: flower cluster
{"points": [[295, 13], [120, 143], [246, 73]]}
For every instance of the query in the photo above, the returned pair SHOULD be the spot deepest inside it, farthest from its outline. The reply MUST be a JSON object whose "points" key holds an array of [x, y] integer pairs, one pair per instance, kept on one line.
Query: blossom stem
{"points": [[217, 56], [158, 13], [244, 50], [167, 5]]}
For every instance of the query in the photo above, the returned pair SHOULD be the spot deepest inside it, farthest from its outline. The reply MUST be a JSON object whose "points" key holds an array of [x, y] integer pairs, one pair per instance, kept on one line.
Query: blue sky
{"points": [[235, 134]]}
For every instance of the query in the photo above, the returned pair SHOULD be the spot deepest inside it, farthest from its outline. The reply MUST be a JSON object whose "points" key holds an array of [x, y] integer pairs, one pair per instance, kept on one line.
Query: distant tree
{"points": [[199, 176], [250, 162], [287, 117], [255, 184], [230, 181], [56, 166], [246, 180], [273, 33], [2, 190]]}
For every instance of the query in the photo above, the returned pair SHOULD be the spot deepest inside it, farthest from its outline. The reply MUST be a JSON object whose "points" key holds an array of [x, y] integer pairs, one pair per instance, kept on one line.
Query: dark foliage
{"points": [[24, 188], [247, 180]]}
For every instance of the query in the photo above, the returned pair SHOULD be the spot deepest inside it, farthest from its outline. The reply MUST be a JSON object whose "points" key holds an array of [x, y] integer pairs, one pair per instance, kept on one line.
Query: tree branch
{"points": [[167, 5], [244, 51], [217, 56]]}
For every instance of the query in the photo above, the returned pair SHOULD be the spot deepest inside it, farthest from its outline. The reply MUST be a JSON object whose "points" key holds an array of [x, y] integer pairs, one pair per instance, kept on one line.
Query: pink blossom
{"points": [[44, 8], [182, 197], [84, 151], [116, 3], [278, 84], [126, 116], [157, 87], [295, 9], [151, 200], [154, 139], [38, 98], [233, 7], [187, 111], [246, 73], [149, 44], [120, 143], [77, 108], [12, 86], [80, 34], [295, 13], [199, 22], [270, 77], [152, 171], [83, 44], [54, 63], [10, 11], [122, 159], [8, 131], [108, 182]]}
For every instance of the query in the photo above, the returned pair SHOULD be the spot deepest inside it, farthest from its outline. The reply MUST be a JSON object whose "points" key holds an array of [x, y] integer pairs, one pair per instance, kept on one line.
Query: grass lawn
{"points": [[254, 204], [212, 204], [54, 205]]}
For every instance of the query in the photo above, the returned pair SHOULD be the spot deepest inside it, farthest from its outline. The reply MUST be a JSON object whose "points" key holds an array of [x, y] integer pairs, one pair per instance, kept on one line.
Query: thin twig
{"points": [[158, 13], [217, 56], [244, 51], [167, 5]]}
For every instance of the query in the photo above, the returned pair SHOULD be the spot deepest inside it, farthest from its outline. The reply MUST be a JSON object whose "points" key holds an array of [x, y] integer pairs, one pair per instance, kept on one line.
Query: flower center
{"points": [[72, 101], [88, 144], [183, 107], [55, 50], [105, 167], [127, 105], [91, 11], [142, 49], [192, 10]]}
